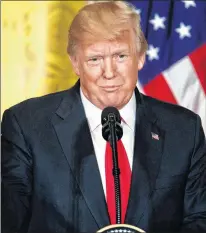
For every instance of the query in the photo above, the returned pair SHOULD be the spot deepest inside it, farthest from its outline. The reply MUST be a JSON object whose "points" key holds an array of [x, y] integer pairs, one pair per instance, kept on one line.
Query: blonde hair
{"points": [[106, 20]]}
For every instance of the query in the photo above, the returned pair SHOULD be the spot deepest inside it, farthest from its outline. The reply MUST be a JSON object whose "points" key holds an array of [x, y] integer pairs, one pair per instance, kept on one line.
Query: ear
{"points": [[141, 61], [75, 64]]}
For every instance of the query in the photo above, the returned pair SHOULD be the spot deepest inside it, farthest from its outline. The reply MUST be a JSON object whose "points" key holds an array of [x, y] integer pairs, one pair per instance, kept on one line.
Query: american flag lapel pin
{"points": [[155, 136]]}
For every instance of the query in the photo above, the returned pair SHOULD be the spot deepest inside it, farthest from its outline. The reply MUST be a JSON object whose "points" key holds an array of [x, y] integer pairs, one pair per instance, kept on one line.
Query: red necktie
{"points": [[125, 179]]}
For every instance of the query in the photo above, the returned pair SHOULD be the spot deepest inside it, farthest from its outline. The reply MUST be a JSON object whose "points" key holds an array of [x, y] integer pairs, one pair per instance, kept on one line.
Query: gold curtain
{"points": [[34, 60]]}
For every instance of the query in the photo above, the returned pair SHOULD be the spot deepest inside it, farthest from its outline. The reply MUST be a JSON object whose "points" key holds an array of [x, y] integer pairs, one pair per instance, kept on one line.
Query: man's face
{"points": [[108, 72]]}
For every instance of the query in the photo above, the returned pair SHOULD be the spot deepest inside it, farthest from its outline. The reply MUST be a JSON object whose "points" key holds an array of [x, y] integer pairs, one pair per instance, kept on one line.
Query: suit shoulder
{"points": [[37, 105], [171, 115]]}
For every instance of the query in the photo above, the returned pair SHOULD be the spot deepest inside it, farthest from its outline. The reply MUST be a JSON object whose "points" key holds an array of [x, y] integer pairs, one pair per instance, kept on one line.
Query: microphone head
{"points": [[110, 110], [111, 114]]}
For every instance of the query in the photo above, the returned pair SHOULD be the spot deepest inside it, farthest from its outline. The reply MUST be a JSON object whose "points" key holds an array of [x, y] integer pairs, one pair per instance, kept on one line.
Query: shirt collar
{"points": [[128, 112], [93, 114]]}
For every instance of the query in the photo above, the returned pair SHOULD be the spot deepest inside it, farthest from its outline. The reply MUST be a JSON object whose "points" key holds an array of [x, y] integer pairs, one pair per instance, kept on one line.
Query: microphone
{"points": [[112, 132], [110, 116]]}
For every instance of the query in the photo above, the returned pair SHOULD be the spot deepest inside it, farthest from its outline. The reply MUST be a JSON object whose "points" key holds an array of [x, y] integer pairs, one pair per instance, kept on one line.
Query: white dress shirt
{"points": [[93, 115]]}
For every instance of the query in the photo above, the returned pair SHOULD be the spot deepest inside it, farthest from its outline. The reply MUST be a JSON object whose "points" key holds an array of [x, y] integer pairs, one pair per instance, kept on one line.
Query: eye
{"points": [[94, 61], [122, 57]]}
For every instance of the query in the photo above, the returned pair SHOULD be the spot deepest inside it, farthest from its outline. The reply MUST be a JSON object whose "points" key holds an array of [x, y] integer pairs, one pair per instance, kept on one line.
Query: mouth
{"points": [[110, 88]]}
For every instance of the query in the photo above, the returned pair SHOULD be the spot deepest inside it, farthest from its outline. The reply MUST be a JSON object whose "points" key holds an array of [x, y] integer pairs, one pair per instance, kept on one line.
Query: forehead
{"points": [[106, 47]]}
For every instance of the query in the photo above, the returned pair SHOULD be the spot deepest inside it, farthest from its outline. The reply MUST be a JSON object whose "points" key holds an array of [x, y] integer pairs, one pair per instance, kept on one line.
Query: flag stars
{"points": [[189, 3], [152, 53], [138, 11], [183, 30], [158, 22]]}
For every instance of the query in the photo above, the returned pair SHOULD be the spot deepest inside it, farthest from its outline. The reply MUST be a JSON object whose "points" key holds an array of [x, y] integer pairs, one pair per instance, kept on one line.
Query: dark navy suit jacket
{"points": [[51, 182]]}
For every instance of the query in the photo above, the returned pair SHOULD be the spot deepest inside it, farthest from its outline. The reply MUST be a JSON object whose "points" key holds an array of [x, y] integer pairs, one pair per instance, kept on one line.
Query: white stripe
{"points": [[186, 87], [140, 88]]}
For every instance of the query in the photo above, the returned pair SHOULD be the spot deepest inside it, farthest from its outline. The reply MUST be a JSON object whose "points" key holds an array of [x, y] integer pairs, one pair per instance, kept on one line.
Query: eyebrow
{"points": [[98, 54]]}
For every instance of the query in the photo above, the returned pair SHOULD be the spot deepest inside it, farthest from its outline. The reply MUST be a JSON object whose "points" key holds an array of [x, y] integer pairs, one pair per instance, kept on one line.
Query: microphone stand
{"points": [[116, 170], [112, 132]]}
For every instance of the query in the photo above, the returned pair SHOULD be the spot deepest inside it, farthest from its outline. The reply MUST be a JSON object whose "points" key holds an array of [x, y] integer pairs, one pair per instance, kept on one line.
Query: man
{"points": [[54, 171]]}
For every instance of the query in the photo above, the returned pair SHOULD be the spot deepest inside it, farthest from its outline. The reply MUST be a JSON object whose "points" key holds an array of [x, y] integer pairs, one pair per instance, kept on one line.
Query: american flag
{"points": [[175, 69], [155, 136]]}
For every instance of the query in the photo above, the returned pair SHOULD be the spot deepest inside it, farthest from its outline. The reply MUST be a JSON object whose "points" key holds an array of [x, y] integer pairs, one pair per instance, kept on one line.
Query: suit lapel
{"points": [[74, 136], [146, 161]]}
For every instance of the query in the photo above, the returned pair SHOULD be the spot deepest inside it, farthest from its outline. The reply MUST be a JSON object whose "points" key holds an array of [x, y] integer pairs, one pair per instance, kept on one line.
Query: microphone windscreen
{"points": [[108, 110]]}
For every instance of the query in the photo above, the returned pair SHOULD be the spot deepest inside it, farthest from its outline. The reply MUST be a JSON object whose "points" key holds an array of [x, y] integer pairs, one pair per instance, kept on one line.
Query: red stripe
{"points": [[159, 89], [198, 58]]}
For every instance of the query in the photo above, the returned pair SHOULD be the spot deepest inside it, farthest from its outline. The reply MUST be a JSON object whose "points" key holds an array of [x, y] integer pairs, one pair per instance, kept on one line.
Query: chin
{"points": [[113, 100], [112, 104]]}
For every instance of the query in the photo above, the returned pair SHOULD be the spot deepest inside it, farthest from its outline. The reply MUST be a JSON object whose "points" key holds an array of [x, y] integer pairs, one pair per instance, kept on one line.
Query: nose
{"points": [[109, 68]]}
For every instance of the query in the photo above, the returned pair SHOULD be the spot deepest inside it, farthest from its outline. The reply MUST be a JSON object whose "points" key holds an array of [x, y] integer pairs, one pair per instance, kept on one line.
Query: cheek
{"points": [[127, 68], [91, 73], [129, 74], [123, 68]]}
